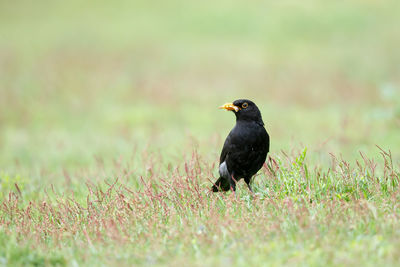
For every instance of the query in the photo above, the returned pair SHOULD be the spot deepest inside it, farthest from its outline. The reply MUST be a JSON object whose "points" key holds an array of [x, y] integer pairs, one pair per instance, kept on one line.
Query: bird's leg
{"points": [[232, 182], [251, 190], [247, 180]]}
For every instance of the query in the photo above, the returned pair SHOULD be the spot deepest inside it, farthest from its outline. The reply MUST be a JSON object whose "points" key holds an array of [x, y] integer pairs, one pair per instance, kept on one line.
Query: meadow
{"points": [[110, 132]]}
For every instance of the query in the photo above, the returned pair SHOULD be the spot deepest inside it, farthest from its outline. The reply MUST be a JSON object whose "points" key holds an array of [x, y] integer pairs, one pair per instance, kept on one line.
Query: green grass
{"points": [[344, 215], [110, 132]]}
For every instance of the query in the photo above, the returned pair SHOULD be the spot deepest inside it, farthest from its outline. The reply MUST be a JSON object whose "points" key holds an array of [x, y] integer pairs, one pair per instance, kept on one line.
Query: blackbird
{"points": [[246, 147]]}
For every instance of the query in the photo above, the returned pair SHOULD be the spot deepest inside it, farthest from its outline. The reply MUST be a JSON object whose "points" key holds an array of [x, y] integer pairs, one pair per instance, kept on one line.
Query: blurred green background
{"points": [[87, 80]]}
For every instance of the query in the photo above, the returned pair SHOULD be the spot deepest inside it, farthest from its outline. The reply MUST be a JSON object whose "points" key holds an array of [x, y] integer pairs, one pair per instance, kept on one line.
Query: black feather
{"points": [[245, 149]]}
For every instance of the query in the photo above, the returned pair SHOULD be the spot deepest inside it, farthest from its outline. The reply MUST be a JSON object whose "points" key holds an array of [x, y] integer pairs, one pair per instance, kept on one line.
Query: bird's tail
{"points": [[221, 185]]}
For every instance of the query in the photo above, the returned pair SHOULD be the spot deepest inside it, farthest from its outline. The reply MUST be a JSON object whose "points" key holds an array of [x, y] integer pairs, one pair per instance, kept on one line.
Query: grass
{"points": [[110, 135], [343, 215]]}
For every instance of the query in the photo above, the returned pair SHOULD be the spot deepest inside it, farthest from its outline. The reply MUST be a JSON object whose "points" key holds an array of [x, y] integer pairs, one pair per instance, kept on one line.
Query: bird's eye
{"points": [[245, 105]]}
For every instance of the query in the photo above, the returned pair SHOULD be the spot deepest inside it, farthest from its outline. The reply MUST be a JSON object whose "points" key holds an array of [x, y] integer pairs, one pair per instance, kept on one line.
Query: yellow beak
{"points": [[230, 106]]}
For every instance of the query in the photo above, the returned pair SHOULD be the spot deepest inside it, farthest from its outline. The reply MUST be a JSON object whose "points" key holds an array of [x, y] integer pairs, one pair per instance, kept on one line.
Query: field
{"points": [[110, 132]]}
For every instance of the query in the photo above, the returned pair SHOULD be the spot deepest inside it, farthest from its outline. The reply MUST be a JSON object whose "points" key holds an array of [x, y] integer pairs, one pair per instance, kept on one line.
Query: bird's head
{"points": [[245, 110]]}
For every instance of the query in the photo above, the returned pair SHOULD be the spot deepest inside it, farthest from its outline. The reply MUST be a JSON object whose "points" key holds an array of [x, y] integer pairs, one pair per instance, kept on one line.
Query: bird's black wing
{"points": [[222, 183], [246, 150], [226, 148]]}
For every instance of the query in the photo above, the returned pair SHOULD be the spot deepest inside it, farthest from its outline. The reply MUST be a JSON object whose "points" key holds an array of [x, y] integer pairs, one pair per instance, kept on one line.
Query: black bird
{"points": [[246, 147]]}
